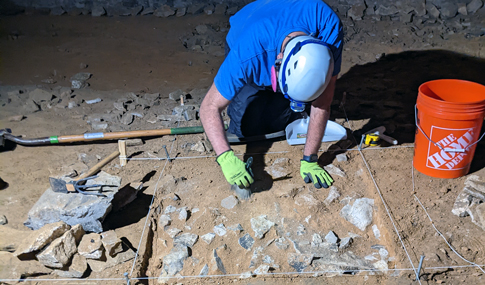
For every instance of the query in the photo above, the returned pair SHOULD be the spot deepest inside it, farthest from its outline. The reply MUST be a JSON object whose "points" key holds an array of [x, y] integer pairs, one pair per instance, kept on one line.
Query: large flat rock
{"points": [[75, 208]]}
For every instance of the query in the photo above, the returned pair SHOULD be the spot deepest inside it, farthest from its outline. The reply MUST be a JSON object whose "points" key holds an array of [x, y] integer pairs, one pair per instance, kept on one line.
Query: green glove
{"points": [[234, 169], [311, 171]]}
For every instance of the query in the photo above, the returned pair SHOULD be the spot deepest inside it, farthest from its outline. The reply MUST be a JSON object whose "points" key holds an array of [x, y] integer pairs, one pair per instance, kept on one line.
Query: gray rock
{"points": [[58, 253], [299, 261], [111, 243], [342, 157], [40, 95], [386, 10], [175, 95], [77, 268], [91, 246], [190, 115], [448, 10], [217, 265], [3, 220], [463, 202], [345, 242], [281, 243], [97, 126], [220, 9], [172, 118], [360, 213], [407, 18], [376, 232], [147, 11], [32, 107], [477, 214], [204, 271], [169, 209], [331, 237], [72, 104], [333, 194], [199, 146], [220, 230], [38, 239], [164, 11], [16, 118], [136, 10], [181, 12], [183, 213], [98, 11], [100, 266], [196, 8], [173, 262], [419, 7], [164, 221], [208, 238], [201, 30], [356, 12], [262, 269], [246, 242], [474, 6], [261, 225], [172, 232], [317, 240], [305, 199], [78, 81], [462, 9], [237, 228], [255, 256], [209, 9], [432, 10], [75, 208], [334, 170], [268, 260], [127, 119], [245, 275], [187, 240], [13, 268], [229, 202]]}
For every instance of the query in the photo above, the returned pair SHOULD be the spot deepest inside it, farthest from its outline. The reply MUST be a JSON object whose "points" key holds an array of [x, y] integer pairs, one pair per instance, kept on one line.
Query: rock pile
{"points": [[305, 249], [470, 202], [64, 251]]}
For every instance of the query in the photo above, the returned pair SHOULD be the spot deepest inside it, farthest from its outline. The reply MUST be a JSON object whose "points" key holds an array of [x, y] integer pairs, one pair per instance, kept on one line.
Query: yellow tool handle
{"points": [[99, 165], [93, 170]]}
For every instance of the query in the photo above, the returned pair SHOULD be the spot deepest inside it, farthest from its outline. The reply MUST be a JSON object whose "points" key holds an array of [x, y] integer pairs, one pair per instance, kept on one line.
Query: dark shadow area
{"points": [[129, 214], [262, 180], [385, 92]]}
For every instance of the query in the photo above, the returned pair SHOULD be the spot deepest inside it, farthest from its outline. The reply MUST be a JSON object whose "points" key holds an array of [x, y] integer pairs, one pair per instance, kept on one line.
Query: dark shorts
{"points": [[258, 111]]}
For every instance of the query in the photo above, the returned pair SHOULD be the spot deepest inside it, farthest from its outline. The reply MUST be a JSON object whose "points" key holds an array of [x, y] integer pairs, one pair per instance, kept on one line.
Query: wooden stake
{"points": [[181, 100], [122, 148]]}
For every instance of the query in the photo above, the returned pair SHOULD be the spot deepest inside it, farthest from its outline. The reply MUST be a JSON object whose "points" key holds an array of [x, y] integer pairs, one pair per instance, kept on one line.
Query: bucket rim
{"points": [[426, 97]]}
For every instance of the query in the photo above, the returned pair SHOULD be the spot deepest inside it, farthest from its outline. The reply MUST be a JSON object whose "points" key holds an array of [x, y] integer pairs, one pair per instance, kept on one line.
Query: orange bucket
{"points": [[449, 118]]}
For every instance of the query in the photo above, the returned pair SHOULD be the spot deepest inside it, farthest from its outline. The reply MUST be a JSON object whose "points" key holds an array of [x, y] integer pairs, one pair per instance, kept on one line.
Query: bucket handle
{"points": [[440, 147]]}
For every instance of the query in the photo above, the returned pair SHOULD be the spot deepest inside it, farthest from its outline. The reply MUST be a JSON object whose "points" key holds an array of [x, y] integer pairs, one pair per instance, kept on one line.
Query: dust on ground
{"points": [[384, 62]]}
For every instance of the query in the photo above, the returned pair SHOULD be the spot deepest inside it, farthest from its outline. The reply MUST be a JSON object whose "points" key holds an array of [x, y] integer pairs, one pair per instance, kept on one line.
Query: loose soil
{"points": [[384, 62]]}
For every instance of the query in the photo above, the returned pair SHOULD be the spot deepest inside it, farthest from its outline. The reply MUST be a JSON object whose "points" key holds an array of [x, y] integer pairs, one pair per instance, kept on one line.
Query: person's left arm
{"points": [[320, 112], [310, 171]]}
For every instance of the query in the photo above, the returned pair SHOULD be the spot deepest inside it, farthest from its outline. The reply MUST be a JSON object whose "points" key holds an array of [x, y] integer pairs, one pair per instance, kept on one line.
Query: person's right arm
{"points": [[234, 169], [210, 115]]}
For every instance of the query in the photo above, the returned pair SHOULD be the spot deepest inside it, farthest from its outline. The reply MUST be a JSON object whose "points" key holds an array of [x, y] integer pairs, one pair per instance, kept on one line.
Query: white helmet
{"points": [[305, 71]]}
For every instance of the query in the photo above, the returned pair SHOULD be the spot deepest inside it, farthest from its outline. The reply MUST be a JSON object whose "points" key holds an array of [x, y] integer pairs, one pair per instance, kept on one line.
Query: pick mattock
{"points": [[76, 185]]}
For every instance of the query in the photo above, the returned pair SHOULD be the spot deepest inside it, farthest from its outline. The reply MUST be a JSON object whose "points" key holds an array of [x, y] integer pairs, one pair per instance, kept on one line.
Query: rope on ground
{"points": [[440, 234]]}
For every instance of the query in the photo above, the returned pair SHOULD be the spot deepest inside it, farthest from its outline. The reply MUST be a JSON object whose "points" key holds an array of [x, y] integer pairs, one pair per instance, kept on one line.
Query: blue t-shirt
{"points": [[257, 33]]}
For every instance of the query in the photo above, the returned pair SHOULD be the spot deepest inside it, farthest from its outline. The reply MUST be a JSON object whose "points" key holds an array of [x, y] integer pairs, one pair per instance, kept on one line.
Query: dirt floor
{"points": [[384, 62]]}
